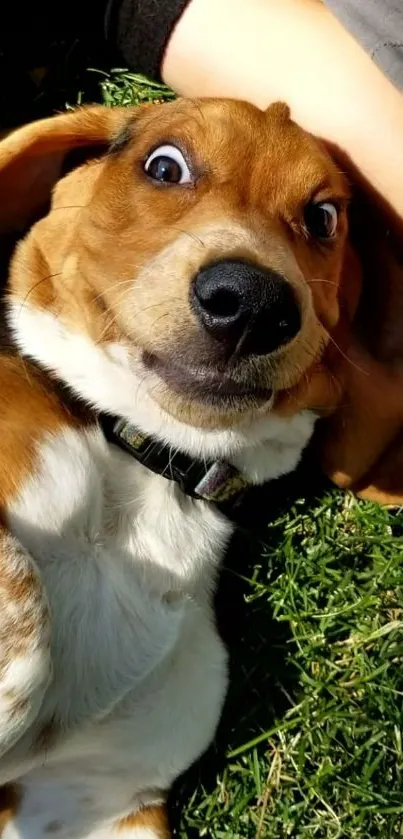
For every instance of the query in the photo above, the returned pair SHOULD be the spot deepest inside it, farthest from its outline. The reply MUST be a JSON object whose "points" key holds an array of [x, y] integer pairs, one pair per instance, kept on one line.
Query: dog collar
{"points": [[214, 481]]}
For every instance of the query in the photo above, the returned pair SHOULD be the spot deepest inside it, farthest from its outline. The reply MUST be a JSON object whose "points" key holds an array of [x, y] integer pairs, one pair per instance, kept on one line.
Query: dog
{"points": [[181, 274], [361, 441]]}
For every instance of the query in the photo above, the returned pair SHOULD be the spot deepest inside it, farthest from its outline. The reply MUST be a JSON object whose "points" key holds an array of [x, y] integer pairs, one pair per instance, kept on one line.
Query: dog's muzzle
{"points": [[248, 309]]}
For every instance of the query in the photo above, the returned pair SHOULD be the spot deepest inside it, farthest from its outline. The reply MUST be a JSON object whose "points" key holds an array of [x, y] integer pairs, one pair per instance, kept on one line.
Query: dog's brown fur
{"points": [[74, 243], [94, 260], [109, 201]]}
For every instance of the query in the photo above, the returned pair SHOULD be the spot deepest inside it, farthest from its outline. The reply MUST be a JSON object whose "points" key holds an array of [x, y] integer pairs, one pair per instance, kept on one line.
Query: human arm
{"points": [[297, 51], [267, 50]]}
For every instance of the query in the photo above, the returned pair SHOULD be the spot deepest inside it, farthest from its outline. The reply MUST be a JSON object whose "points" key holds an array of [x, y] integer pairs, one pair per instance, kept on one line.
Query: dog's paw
{"points": [[280, 454], [25, 661], [272, 461]]}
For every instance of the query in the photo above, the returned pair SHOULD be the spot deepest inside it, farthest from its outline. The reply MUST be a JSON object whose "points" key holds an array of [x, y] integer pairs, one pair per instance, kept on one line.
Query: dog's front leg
{"points": [[25, 663]]}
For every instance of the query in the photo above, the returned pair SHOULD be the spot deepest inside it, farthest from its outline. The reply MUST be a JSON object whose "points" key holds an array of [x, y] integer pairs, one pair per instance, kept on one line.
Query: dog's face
{"points": [[204, 249]]}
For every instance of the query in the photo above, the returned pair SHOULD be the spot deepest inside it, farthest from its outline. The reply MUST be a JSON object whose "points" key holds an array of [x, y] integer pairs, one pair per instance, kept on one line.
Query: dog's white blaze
{"points": [[129, 565], [139, 671], [106, 378]]}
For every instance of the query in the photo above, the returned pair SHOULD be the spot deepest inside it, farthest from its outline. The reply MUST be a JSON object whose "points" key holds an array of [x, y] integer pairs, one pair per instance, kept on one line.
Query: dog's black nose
{"points": [[246, 307]]}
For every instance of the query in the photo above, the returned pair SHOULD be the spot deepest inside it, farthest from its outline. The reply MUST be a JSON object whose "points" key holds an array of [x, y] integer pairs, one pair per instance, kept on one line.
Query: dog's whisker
{"points": [[158, 304], [36, 285], [191, 236], [345, 356], [109, 324], [70, 207], [113, 320], [112, 286], [325, 282]]}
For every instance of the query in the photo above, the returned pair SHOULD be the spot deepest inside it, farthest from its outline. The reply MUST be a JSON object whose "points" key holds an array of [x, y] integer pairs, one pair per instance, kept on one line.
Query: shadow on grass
{"points": [[263, 676]]}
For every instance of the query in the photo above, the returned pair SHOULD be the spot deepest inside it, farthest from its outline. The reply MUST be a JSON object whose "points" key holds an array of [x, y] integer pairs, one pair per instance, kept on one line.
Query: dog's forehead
{"points": [[211, 123], [204, 123], [233, 138], [208, 124]]}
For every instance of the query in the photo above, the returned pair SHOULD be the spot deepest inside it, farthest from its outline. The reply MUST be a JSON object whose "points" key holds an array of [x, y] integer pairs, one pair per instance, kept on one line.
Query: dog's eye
{"points": [[321, 219], [168, 165]]}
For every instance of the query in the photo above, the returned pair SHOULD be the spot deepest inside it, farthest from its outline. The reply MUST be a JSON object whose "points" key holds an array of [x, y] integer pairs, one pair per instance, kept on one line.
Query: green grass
{"points": [[310, 745], [122, 88], [314, 718]]}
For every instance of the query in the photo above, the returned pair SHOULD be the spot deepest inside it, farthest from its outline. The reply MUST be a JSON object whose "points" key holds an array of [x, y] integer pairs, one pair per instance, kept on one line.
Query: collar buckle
{"points": [[217, 482]]}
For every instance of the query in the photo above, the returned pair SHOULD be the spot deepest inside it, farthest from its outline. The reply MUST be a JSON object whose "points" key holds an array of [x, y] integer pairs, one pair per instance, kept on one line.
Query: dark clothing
{"points": [[140, 30], [69, 36]]}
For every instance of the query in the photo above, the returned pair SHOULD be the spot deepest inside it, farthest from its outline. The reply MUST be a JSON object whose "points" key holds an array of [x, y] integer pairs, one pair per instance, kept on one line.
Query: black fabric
{"points": [[65, 37], [36, 26], [140, 30], [68, 36]]}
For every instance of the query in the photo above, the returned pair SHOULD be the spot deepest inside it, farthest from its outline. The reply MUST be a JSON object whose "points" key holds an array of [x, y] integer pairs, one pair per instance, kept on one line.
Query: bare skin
{"points": [[296, 51]]}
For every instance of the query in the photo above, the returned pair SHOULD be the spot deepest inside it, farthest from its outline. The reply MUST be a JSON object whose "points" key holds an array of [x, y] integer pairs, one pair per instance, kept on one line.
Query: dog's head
{"points": [[188, 274]]}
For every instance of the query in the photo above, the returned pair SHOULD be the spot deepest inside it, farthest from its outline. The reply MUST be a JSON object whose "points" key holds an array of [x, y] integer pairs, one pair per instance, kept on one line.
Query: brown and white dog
{"points": [[186, 278]]}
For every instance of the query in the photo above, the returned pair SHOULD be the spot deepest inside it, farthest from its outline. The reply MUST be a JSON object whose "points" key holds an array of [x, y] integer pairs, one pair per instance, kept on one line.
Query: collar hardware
{"points": [[215, 481]]}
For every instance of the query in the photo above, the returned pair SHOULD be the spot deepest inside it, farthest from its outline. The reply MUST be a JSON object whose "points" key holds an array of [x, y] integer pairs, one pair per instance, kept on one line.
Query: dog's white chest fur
{"points": [[139, 673], [128, 564]]}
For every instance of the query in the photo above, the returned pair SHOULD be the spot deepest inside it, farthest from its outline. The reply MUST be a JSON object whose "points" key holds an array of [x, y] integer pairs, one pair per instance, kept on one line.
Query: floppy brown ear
{"points": [[31, 158], [362, 443], [369, 418]]}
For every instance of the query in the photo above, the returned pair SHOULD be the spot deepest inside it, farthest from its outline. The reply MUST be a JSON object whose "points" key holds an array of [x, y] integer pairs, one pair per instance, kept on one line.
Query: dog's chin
{"points": [[204, 397]]}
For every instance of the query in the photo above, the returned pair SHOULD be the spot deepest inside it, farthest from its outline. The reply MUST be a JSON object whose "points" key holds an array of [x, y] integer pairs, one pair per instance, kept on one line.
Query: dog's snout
{"points": [[246, 307]]}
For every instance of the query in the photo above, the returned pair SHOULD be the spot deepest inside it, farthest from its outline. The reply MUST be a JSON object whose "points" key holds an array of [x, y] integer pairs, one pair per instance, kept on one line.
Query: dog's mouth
{"points": [[205, 384]]}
